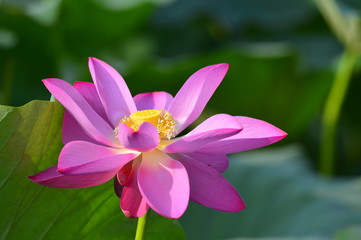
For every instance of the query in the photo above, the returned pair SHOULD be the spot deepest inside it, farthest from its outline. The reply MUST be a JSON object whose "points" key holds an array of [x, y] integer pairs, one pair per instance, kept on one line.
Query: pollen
{"points": [[161, 119]]}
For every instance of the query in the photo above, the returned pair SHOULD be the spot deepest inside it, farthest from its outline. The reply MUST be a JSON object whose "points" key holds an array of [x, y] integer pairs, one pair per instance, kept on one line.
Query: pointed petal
{"points": [[144, 140], [209, 188], [191, 99], [71, 130], [113, 91], [91, 122], [78, 157], [132, 202], [52, 178], [255, 134], [164, 184], [214, 128], [219, 162], [153, 100]]}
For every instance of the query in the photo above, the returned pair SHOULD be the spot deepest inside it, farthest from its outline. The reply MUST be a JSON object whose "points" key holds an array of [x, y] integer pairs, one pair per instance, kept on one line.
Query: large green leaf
{"points": [[30, 142], [284, 198]]}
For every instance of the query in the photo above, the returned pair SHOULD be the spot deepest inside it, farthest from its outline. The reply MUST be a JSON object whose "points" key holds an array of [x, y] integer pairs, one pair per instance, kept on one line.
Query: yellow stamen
{"points": [[151, 116], [161, 119]]}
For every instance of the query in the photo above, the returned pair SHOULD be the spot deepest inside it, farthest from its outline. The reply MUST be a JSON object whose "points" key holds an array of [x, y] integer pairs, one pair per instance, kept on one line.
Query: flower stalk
{"points": [[140, 227], [334, 17], [332, 111], [347, 29]]}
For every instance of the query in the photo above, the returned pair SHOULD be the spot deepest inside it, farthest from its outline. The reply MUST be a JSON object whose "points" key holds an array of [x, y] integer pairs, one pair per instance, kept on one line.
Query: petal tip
{"points": [[47, 80], [218, 67], [92, 59], [238, 209], [238, 205], [221, 66], [282, 134], [226, 65], [63, 170], [36, 178], [128, 214], [242, 206], [32, 178], [235, 207]]}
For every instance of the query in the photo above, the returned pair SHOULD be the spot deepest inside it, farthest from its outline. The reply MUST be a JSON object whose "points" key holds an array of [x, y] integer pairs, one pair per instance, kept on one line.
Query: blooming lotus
{"points": [[108, 133]]}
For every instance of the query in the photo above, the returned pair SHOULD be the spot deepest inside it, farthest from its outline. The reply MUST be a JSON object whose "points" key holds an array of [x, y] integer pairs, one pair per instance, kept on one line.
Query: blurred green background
{"points": [[282, 54]]}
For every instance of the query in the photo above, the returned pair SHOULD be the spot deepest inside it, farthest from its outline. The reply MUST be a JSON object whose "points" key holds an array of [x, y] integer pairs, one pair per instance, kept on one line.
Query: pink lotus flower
{"points": [[108, 133]]}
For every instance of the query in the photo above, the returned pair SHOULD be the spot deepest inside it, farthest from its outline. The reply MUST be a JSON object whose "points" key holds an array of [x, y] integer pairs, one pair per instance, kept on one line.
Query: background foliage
{"points": [[283, 58]]}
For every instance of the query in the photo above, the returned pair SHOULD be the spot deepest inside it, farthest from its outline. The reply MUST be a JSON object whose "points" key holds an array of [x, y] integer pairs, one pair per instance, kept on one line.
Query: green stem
{"points": [[335, 18], [332, 111], [140, 227]]}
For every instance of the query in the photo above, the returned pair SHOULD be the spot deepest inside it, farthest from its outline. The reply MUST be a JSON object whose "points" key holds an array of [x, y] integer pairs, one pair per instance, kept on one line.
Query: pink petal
{"points": [[124, 173], [113, 91], [52, 178], [78, 157], [91, 122], [217, 161], [164, 184], [144, 140], [153, 100], [214, 128], [90, 94], [255, 134], [191, 99], [132, 202], [71, 130], [209, 188]]}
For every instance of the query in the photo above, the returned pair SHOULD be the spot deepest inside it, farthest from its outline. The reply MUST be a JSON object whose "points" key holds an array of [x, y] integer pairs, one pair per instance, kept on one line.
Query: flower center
{"points": [[161, 119]]}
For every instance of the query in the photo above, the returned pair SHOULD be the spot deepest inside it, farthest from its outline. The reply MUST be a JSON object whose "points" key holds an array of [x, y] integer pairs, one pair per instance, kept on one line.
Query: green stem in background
{"points": [[140, 227], [332, 111], [335, 18]]}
